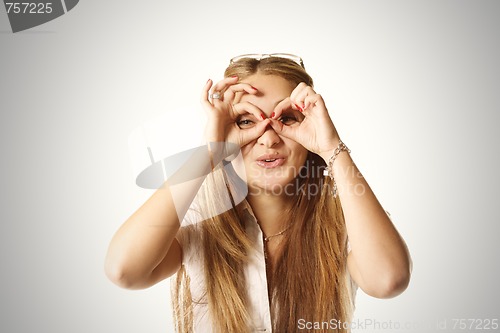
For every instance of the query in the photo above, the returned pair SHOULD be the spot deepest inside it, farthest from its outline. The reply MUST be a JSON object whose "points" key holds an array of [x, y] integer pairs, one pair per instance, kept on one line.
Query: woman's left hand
{"points": [[316, 131]]}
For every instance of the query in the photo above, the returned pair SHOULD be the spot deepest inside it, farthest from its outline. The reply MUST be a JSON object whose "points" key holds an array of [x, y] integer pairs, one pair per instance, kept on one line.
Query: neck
{"points": [[268, 210]]}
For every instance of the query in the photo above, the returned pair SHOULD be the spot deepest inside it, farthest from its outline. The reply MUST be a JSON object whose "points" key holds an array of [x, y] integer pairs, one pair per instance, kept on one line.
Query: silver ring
{"points": [[216, 95]]}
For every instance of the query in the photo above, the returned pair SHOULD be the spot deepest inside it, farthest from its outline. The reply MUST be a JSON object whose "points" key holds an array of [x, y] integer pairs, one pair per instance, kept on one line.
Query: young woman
{"points": [[307, 232]]}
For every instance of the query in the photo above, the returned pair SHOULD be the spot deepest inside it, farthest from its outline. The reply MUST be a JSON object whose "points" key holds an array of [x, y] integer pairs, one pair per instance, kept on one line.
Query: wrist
{"points": [[338, 153], [327, 153], [222, 150]]}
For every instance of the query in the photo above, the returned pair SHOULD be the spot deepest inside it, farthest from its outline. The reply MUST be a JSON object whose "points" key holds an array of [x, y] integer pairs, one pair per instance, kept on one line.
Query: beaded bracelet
{"points": [[329, 168]]}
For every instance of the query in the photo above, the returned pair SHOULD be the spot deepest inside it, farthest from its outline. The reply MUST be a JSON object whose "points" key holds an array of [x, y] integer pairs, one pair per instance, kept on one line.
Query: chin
{"points": [[272, 185], [277, 181]]}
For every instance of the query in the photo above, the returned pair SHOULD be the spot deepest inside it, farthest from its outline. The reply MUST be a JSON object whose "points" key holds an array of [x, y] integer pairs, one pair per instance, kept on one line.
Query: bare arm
{"points": [[379, 261], [144, 250]]}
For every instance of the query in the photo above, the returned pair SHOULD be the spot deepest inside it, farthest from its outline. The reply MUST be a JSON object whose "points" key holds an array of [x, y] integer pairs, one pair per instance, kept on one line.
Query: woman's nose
{"points": [[269, 138]]}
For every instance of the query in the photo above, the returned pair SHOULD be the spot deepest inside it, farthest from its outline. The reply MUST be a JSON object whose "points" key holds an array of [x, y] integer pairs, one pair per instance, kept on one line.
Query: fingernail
{"points": [[298, 107], [234, 76], [262, 116], [272, 115], [208, 80], [253, 88]]}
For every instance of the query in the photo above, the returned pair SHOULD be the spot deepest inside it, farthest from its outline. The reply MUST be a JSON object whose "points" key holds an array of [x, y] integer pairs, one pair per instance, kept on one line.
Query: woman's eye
{"points": [[245, 123], [288, 120]]}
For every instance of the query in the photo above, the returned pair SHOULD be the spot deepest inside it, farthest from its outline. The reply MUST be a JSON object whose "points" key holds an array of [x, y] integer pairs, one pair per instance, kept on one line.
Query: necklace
{"points": [[266, 239]]}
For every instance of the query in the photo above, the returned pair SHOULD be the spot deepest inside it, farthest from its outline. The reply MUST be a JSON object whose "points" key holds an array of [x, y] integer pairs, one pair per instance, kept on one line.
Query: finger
{"points": [[222, 85], [315, 100], [247, 107], [205, 94], [231, 91], [300, 97], [298, 90], [284, 105]]}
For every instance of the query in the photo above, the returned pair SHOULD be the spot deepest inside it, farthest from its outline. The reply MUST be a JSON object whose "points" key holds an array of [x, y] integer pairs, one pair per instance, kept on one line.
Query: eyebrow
{"points": [[247, 114]]}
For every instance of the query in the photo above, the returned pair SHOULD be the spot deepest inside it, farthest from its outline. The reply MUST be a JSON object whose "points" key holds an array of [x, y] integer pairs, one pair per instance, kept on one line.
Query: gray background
{"points": [[412, 87]]}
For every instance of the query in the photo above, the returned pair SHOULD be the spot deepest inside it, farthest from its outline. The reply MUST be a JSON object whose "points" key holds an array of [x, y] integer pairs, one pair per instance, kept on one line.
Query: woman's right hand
{"points": [[225, 117]]}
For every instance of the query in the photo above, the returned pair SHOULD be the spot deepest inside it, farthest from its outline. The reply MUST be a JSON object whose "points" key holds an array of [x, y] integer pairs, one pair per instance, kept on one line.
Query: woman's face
{"points": [[271, 161]]}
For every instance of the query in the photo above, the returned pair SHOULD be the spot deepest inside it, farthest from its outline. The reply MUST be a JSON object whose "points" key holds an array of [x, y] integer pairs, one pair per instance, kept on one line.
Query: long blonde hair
{"points": [[314, 284]]}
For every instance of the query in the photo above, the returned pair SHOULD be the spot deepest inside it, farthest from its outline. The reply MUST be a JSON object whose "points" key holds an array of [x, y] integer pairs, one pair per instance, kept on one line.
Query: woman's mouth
{"points": [[270, 162]]}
